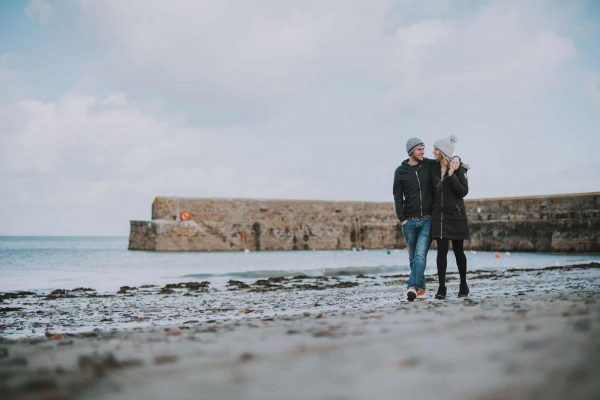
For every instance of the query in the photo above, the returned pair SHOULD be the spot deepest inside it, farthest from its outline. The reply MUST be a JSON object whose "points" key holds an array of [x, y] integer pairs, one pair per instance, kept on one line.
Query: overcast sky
{"points": [[106, 104]]}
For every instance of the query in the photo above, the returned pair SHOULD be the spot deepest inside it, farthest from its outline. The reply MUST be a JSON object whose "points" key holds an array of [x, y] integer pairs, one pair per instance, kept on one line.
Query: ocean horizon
{"points": [[105, 264]]}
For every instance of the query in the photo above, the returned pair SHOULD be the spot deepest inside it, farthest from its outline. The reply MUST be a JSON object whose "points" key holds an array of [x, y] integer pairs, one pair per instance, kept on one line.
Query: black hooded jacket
{"points": [[413, 190], [449, 218]]}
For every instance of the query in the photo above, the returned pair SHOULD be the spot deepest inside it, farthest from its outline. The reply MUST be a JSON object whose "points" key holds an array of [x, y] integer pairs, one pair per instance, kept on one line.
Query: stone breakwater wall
{"points": [[562, 223]]}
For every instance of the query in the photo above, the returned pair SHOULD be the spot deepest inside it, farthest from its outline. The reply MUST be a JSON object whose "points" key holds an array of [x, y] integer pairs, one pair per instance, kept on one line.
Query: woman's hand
{"points": [[454, 165]]}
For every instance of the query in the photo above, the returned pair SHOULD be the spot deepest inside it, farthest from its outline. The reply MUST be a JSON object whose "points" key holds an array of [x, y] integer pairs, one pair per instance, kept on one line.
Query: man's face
{"points": [[418, 153]]}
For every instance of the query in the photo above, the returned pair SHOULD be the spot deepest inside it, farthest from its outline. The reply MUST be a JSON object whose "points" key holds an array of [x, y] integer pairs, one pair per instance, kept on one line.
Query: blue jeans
{"points": [[417, 233]]}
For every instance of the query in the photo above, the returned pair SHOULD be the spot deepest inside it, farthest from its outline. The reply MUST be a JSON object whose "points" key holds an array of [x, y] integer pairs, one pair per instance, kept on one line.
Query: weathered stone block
{"points": [[538, 223]]}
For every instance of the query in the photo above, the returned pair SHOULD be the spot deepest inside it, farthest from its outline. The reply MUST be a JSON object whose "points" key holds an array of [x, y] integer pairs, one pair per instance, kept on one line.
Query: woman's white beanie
{"points": [[446, 145]]}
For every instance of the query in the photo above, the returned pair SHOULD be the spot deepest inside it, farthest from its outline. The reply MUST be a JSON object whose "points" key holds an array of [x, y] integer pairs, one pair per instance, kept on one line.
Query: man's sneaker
{"points": [[463, 290], [421, 294], [441, 293], [411, 294]]}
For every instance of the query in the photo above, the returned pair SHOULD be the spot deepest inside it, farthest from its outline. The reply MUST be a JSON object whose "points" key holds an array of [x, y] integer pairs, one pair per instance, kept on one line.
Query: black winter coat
{"points": [[413, 191], [449, 217]]}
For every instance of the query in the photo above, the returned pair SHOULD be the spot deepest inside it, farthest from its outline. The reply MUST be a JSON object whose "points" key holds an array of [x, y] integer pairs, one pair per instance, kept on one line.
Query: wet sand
{"points": [[520, 334]]}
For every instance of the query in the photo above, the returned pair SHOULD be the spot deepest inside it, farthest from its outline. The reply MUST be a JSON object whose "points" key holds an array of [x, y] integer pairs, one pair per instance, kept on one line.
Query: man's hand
{"points": [[404, 222]]}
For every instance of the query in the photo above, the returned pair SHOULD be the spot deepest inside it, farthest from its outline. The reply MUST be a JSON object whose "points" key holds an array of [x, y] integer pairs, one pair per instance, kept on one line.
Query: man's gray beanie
{"points": [[412, 144], [446, 145]]}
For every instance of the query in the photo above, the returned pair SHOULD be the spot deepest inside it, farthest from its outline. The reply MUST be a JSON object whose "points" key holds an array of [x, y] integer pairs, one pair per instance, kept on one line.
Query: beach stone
{"points": [[15, 295], [236, 285], [582, 325], [59, 294], [409, 362], [101, 363], [17, 362], [88, 334], [188, 285], [278, 279], [10, 309], [126, 289], [39, 384], [345, 284], [83, 289], [531, 328], [532, 344], [165, 359], [363, 276], [247, 356]]}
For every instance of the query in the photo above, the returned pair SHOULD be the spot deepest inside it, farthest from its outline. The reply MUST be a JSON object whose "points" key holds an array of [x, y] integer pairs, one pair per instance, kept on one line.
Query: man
{"points": [[413, 196]]}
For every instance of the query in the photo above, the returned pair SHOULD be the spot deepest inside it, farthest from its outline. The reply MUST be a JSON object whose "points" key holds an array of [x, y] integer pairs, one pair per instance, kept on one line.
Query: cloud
{"points": [[286, 99], [258, 60], [40, 10], [99, 136], [248, 59], [101, 157]]}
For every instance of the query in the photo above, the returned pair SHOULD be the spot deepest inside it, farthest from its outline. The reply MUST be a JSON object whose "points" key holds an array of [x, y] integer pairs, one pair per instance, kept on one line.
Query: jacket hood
{"points": [[405, 162]]}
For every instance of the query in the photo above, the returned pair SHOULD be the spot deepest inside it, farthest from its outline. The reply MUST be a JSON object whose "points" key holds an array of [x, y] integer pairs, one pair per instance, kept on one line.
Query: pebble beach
{"points": [[521, 334]]}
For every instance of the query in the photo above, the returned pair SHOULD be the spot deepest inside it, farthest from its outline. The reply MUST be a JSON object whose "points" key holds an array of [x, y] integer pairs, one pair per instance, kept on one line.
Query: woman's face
{"points": [[436, 154]]}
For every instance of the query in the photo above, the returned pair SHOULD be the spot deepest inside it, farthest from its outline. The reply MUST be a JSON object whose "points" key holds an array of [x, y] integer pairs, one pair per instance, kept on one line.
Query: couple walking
{"points": [[429, 204]]}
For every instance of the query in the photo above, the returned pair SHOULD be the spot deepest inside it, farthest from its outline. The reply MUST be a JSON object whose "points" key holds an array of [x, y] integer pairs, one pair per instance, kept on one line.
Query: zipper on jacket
{"points": [[420, 190], [442, 210]]}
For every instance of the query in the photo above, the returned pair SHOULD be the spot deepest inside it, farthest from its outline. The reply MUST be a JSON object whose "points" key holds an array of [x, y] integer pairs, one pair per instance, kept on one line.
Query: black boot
{"points": [[463, 290], [441, 293]]}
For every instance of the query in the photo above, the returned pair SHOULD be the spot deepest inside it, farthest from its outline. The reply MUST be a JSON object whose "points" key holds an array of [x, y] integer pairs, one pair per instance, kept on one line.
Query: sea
{"points": [[44, 263]]}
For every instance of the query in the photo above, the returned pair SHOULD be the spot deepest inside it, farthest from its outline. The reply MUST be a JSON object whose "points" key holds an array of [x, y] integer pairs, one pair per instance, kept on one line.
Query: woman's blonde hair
{"points": [[442, 157]]}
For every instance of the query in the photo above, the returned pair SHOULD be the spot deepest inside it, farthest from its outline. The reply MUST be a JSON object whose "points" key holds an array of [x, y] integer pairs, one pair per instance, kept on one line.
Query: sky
{"points": [[105, 105]]}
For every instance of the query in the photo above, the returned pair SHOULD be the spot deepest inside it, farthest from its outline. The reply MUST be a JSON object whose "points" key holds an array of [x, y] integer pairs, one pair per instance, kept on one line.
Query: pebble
{"points": [[582, 325], [165, 359]]}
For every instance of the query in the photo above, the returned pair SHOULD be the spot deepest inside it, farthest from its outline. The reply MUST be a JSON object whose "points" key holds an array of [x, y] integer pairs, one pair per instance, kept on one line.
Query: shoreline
{"points": [[34, 313], [520, 334], [106, 265]]}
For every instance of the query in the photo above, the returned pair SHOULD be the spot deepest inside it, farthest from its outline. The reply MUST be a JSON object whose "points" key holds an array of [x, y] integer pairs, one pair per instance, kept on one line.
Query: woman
{"points": [[449, 217]]}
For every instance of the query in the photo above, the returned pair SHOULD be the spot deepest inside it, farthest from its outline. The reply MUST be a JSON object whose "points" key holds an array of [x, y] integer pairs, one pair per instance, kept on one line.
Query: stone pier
{"points": [[561, 223]]}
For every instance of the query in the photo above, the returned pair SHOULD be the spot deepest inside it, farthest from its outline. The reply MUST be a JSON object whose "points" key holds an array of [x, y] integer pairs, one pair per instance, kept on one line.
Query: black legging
{"points": [[442, 259]]}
